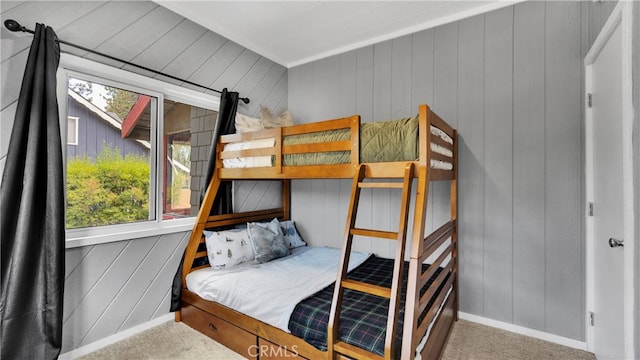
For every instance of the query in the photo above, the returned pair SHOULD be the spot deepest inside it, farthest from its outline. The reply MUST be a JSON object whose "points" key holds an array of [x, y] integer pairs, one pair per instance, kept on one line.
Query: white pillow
{"points": [[246, 123], [267, 240], [291, 236], [228, 248]]}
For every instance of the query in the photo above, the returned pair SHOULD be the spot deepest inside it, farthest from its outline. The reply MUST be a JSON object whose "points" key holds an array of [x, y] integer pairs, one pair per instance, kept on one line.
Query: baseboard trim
{"points": [[89, 348], [576, 344]]}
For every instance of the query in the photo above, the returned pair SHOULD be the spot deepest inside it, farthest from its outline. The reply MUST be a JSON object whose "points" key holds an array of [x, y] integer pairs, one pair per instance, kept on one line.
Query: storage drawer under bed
{"points": [[233, 337]]}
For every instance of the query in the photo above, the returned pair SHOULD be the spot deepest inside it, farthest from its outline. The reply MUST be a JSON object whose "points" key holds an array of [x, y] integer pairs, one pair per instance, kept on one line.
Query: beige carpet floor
{"points": [[468, 341]]}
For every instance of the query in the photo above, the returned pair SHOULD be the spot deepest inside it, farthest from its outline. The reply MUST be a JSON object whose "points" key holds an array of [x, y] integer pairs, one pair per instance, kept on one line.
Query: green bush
{"points": [[110, 190]]}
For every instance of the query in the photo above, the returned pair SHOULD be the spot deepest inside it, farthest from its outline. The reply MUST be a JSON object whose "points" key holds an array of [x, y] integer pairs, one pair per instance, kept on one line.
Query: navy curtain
{"points": [[223, 202], [32, 213]]}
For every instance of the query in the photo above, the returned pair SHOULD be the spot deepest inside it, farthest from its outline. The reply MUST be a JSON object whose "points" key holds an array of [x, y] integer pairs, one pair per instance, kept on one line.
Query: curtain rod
{"points": [[14, 26]]}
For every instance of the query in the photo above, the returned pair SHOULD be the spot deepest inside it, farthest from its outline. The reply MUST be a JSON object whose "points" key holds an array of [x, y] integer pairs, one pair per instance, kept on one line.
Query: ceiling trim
{"points": [[410, 30]]}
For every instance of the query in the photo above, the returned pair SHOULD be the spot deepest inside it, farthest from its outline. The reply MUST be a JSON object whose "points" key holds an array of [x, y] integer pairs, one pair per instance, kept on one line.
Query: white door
{"points": [[606, 192]]}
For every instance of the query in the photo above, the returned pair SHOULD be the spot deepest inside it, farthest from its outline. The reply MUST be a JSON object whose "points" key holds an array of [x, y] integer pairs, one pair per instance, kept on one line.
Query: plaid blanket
{"points": [[363, 319]]}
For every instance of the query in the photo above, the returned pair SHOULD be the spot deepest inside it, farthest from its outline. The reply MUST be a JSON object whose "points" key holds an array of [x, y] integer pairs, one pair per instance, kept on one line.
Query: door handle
{"points": [[613, 242]]}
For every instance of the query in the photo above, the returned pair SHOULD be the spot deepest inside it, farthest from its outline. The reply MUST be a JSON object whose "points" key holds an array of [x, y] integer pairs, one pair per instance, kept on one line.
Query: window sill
{"points": [[106, 234]]}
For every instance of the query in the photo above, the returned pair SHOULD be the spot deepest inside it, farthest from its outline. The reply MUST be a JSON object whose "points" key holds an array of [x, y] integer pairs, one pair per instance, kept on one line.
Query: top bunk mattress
{"points": [[385, 141]]}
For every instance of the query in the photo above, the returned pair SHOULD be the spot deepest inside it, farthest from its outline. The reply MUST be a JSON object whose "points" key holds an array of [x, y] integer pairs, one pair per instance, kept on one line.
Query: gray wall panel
{"points": [[528, 165], [445, 104], [471, 215], [510, 81], [53, 13], [190, 60], [102, 294], [401, 75], [636, 135], [147, 30], [498, 185], [382, 100], [422, 88], [563, 224], [112, 287], [158, 284], [163, 51]]}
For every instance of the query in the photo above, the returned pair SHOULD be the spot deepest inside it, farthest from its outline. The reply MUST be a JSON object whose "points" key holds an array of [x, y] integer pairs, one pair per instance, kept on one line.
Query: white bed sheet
{"points": [[269, 292]]}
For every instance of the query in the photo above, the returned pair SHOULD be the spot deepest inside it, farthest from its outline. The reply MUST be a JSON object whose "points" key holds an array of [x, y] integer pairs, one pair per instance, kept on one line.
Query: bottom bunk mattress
{"points": [[363, 319], [294, 293]]}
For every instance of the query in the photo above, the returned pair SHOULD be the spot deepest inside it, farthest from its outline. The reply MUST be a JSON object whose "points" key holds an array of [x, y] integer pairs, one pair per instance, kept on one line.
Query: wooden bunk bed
{"points": [[431, 301]]}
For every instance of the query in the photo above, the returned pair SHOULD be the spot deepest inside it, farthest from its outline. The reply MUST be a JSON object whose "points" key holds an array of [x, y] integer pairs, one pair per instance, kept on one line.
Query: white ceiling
{"points": [[296, 32]]}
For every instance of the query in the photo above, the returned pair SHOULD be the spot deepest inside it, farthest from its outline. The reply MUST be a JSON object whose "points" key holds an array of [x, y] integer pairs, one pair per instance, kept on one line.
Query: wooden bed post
{"points": [[410, 343], [196, 233], [286, 199], [454, 218]]}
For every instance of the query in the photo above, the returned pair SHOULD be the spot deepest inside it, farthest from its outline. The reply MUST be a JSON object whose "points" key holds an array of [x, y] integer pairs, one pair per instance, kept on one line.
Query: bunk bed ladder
{"points": [[336, 347]]}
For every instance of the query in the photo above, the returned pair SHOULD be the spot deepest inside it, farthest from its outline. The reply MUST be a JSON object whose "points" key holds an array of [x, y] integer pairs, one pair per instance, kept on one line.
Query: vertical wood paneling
{"points": [[333, 102], [422, 65], [445, 104], [382, 103], [382, 54], [333, 108], [528, 166], [364, 107], [364, 83], [636, 149], [422, 89], [348, 87], [563, 215], [510, 82], [471, 215], [348, 106], [401, 70], [498, 131]]}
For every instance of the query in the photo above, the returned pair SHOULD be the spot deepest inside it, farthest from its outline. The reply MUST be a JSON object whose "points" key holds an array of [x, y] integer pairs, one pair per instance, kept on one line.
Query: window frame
{"points": [[75, 138], [73, 66]]}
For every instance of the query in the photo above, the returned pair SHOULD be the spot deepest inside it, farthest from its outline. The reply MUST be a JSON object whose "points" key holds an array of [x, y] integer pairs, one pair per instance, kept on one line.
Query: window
{"points": [[72, 130], [131, 167]]}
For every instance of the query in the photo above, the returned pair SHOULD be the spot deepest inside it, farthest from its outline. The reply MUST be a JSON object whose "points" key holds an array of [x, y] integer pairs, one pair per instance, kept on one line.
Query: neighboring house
{"points": [[89, 128]]}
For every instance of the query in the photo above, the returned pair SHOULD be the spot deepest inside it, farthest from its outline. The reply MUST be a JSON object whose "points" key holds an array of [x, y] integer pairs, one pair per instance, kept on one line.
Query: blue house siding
{"points": [[93, 132]]}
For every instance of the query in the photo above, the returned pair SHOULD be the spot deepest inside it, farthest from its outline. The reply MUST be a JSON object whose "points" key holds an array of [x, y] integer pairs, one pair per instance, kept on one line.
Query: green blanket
{"points": [[394, 140]]}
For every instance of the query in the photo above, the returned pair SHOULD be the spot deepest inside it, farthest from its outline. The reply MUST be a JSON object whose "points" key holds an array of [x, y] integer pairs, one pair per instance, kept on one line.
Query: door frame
{"points": [[622, 15]]}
